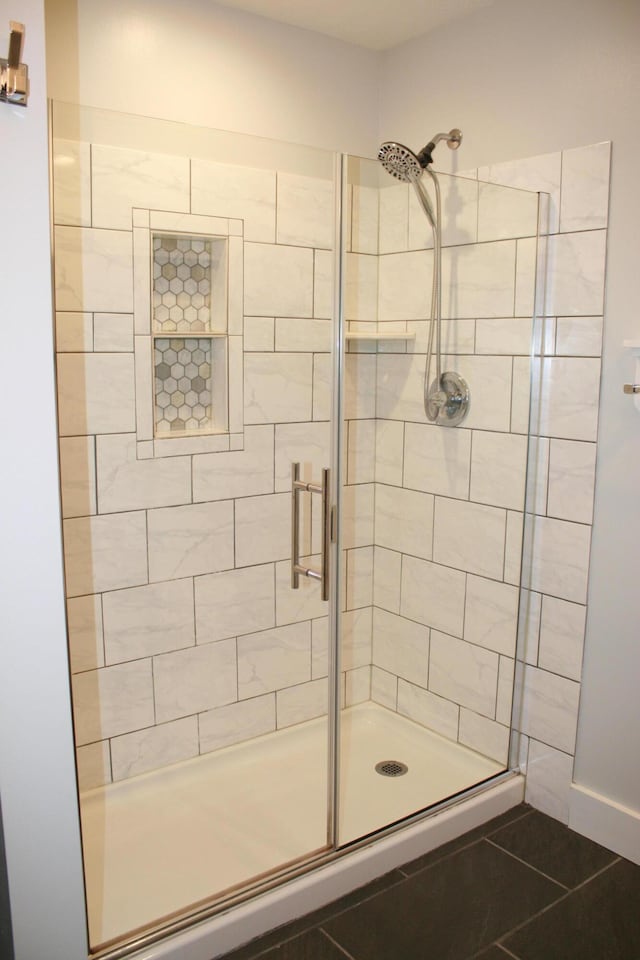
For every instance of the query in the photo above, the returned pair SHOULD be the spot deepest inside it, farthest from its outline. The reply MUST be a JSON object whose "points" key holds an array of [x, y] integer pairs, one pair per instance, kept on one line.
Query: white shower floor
{"points": [[158, 843]]}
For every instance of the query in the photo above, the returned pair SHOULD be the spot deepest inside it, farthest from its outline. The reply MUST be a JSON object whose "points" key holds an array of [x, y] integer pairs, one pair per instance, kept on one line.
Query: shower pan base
{"points": [[162, 841]]}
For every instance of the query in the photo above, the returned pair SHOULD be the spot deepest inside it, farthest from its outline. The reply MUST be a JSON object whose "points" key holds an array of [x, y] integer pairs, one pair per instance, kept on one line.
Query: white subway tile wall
{"points": [[184, 634]]}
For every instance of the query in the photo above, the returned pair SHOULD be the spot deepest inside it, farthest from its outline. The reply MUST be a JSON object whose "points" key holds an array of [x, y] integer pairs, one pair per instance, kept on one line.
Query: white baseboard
{"points": [[605, 821]]}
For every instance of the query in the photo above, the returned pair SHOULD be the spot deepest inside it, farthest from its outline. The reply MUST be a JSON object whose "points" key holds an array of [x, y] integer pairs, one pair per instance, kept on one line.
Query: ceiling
{"points": [[376, 24]]}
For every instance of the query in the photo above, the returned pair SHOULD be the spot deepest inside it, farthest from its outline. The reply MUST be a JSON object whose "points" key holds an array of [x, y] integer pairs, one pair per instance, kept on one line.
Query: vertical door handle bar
{"points": [[298, 569]]}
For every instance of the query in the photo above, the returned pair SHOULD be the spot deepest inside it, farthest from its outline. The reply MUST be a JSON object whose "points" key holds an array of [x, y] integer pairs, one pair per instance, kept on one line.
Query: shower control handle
{"points": [[298, 569]]}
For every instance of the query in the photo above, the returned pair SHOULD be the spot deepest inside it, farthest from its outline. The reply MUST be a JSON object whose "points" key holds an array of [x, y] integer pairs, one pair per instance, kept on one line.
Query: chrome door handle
{"points": [[298, 569]]}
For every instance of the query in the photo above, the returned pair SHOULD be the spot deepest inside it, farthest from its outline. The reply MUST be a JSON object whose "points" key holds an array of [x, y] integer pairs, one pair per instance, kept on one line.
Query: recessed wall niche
{"points": [[188, 325]]}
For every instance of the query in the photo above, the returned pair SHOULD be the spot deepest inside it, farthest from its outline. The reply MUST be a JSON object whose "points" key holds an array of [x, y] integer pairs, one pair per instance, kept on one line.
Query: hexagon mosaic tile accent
{"points": [[181, 284], [182, 384]]}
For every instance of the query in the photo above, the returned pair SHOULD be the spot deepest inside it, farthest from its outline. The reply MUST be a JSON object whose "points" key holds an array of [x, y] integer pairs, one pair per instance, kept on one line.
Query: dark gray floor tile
{"points": [[309, 920], [486, 829], [492, 953], [598, 921], [312, 945], [449, 911], [551, 847]]}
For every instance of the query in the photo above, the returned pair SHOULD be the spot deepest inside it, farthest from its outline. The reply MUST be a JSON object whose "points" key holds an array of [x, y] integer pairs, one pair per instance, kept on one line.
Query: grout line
{"points": [[324, 933], [527, 864]]}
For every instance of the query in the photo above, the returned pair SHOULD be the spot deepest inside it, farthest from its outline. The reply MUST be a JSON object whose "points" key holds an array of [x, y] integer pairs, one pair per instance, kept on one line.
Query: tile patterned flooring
{"points": [[522, 886]]}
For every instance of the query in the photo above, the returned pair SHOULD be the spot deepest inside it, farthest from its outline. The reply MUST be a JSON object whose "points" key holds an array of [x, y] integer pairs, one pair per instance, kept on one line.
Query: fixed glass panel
{"points": [[194, 337], [433, 514]]}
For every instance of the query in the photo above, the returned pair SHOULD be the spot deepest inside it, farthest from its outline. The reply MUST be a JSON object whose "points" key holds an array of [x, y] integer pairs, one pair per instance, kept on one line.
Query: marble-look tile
{"points": [[356, 638], [400, 646], [459, 206], [562, 637], [549, 708], [464, 673], [485, 736], [262, 529], [504, 701], [458, 336], [189, 681], [228, 190], [144, 389], [190, 540], [241, 473], [304, 211], [537, 475], [404, 520], [122, 179], [113, 332], [389, 444], [384, 688], [93, 270], [304, 443], [303, 335], [278, 281], [513, 547], [359, 577], [491, 615], [394, 218], [236, 722], [322, 284], [543, 172], [126, 483], [569, 397], [433, 595], [364, 219], [71, 183], [105, 553], [322, 381], [93, 764], [357, 686], [478, 280], [556, 557], [236, 386], [112, 701], [511, 336], [529, 626], [78, 476], [437, 461], [469, 536], [521, 395], [302, 702], [357, 515], [234, 602], [259, 334], [386, 579], [143, 621], [428, 709], [359, 386], [96, 393], [305, 603], [159, 746], [319, 647], [404, 286], [274, 659], [277, 387], [84, 624], [505, 212], [400, 389], [579, 336], [575, 280], [361, 451], [74, 332], [585, 187], [490, 383], [527, 251], [572, 469], [361, 287], [498, 469], [548, 784]]}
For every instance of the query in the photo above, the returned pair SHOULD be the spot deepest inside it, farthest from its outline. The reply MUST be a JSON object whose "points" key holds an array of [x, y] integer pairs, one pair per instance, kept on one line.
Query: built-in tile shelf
{"points": [[379, 336]]}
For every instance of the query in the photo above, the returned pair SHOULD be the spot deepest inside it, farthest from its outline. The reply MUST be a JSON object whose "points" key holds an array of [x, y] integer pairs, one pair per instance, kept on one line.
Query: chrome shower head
{"points": [[400, 161]]}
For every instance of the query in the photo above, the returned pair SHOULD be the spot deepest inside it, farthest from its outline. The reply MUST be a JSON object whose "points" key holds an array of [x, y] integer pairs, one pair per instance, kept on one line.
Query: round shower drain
{"points": [[391, 768]]}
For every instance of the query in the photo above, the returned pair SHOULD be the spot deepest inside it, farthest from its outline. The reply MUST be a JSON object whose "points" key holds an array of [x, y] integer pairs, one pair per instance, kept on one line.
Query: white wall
{"points": [[220, 68], [37, 779], [522, 79]]}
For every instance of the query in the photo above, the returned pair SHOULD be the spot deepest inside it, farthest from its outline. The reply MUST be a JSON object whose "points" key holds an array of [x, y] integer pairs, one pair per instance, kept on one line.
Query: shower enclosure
{"points": [[242, 328]]}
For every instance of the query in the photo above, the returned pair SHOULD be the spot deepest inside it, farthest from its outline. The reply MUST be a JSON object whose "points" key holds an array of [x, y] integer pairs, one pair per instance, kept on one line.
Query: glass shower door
{"points": [[193, 321]]}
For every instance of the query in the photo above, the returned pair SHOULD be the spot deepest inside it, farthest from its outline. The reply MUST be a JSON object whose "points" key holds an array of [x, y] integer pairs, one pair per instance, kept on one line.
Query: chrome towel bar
{"points": [[297, 569]]}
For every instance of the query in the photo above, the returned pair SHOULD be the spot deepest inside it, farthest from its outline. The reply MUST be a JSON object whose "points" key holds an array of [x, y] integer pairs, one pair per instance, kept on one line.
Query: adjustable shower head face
{"points": [[400, 161]]}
